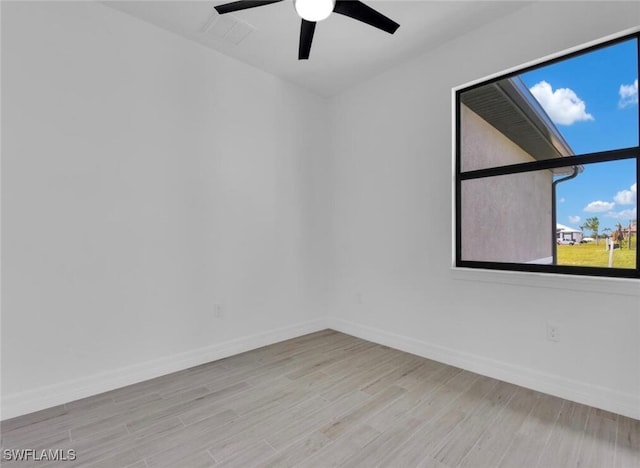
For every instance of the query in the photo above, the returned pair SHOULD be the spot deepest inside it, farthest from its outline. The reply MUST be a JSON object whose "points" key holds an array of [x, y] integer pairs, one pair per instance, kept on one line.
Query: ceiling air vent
{"points": [[227, 28]]}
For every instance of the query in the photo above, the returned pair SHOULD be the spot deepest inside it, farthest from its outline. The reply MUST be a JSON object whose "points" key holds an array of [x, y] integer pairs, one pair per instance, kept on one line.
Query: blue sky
{"points": [[593, 100]]}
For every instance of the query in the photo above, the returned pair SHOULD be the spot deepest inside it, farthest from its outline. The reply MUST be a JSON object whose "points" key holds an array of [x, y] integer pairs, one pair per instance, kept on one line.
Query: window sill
{"points": [[615, 286]]}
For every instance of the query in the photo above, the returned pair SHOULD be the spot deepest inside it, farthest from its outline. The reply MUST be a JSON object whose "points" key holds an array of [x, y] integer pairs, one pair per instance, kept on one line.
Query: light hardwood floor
{"points": [[326, 399]]}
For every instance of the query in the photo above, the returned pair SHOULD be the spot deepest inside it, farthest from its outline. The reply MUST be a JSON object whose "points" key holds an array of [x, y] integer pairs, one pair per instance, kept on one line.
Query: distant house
{"points": [[503, 124], [631, 233], [565, 233]]}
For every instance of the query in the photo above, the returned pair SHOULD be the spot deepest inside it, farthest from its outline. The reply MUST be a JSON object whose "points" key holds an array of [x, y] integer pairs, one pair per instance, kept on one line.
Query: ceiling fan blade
{"points": [[361, 12], [306, 37], [242, 5]]}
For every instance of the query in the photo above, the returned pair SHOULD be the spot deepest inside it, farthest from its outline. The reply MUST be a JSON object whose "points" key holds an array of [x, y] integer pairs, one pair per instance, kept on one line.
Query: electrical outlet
{"points": [[553, 332], [218, 311]]}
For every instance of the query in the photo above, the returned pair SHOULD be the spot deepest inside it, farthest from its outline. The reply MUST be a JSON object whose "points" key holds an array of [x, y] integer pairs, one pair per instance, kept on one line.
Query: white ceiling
{"points": [[344, 51]]}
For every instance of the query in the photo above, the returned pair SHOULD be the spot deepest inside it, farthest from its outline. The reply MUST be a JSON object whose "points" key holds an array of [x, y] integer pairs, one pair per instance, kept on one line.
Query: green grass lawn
{"points": [[595, 255]]}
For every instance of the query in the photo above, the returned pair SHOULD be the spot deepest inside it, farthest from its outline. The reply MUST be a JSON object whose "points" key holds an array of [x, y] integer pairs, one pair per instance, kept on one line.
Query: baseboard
{"points": [[600, 397], [18, 404]]}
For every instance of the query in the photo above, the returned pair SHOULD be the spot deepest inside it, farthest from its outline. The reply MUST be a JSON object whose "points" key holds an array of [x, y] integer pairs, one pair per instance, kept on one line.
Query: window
{"points": [[547, 166]]}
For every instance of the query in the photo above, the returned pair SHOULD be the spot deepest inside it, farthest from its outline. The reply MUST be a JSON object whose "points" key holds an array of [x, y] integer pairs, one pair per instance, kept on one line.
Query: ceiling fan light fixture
{"points": [[314, 10]]}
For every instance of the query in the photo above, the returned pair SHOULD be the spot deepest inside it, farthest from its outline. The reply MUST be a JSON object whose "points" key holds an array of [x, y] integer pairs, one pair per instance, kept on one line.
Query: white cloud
{"points": [[563, 105], [624, 214], [628, 94], [574, 219], [562, 200], [627, 197], [599, 206]]}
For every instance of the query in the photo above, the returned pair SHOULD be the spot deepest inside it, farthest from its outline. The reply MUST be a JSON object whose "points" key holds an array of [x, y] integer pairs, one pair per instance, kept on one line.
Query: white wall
{"points": [[146, 178], [392, 279]]}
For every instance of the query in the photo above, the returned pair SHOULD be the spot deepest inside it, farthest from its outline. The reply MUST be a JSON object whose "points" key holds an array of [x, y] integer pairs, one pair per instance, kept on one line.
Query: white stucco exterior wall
{"points": [[505, 218]]}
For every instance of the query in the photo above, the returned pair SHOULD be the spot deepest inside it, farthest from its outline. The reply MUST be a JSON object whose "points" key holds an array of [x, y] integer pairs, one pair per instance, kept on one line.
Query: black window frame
{"points": [[576, 160]]}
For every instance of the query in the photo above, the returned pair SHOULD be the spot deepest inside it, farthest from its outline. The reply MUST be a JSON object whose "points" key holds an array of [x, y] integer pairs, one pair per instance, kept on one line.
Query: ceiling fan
{"points": [[312, 11]]}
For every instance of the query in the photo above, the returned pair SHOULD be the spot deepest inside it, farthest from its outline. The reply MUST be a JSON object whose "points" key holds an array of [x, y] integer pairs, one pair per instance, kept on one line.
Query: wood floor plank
{"points": [[141, 421], [298, 427], [205, 433], [441, 411], [325, 399], [341, 447], [362, 378], [252, 456], [357, 362], [38, 440], [628, 443], [464, 437], [126, 457], [566, 438], [598, 444], [138, 464], [302, 449], [531, 438], [394, 435], [225, 447], [96, 448], [342, 424], [458, 400], [321, 361], [427, 371], [401, 370], [149, 413], [403, 407], [9, 425], [421, 444], [490, 446]]}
